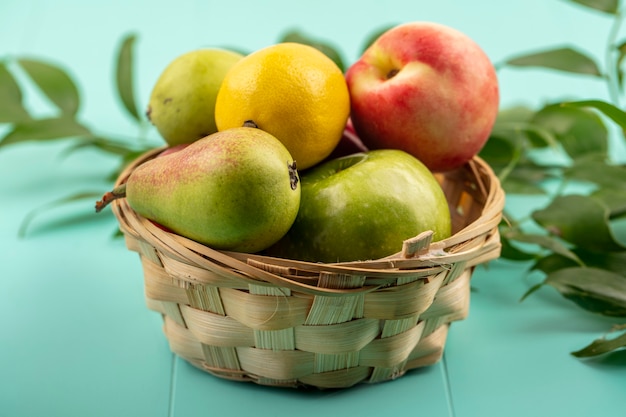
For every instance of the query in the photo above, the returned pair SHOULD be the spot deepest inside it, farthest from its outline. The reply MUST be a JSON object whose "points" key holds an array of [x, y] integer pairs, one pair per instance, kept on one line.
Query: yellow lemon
{"points": [[292, 91]]}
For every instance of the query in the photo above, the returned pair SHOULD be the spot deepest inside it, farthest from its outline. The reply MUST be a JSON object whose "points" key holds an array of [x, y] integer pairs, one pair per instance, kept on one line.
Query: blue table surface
{"points": [[76, 337]]}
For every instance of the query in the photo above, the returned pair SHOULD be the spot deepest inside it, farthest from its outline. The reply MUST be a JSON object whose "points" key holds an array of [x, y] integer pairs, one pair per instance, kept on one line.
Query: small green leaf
{"points": [[112, 146], [517, 184], [592, 289], [11, 108], [509, 251], [55, 83], [580, 220], [531, 290], [602, 346], [124, 76], [609, 110], [565, 59], [498, 151], [44, 129], [614, 199], [607, 6], [543, 241], [580, 132], [553, 262], [598, 171], [534, 134], [515, 114], [504, 152], [609, 261], [325, 47], [531, 172]]}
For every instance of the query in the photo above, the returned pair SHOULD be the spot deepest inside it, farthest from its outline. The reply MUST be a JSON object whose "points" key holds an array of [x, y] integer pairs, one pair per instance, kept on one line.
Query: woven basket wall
{"points": [[281, 322]]}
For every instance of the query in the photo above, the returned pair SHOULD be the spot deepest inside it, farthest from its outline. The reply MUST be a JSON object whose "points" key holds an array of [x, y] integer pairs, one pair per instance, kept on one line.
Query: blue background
{"points": [[75, 336]]}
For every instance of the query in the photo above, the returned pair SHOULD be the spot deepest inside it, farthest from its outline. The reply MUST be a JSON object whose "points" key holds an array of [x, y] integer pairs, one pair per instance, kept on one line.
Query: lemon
{"points": [[292, 91]]}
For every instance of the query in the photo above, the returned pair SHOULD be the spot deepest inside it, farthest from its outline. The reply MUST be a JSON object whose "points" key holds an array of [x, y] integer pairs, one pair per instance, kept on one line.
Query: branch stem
{"points": [[108, 197]]}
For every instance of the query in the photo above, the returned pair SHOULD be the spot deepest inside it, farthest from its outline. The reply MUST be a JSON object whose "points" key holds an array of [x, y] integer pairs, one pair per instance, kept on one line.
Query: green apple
{"points": [[182, 101], [363, 206]]}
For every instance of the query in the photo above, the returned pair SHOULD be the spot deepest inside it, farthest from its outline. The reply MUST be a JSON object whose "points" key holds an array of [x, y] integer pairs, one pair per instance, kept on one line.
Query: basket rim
{"points": [[259, 269]]}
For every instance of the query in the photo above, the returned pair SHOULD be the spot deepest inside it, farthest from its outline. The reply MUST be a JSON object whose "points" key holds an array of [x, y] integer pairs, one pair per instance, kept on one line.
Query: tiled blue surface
{"points": [[76, 338]]}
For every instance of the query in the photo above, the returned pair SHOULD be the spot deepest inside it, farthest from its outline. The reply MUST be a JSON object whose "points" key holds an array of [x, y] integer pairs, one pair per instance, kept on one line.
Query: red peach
{"points": [[427, 89]]}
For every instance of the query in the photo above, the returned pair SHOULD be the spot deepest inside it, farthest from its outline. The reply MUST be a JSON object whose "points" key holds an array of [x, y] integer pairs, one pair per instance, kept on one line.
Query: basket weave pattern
{"points": [[281, 322]]}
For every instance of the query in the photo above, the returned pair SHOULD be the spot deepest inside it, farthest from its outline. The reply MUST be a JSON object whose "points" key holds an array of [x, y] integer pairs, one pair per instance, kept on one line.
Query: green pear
{"points": [[182, 102], [236, 190]]}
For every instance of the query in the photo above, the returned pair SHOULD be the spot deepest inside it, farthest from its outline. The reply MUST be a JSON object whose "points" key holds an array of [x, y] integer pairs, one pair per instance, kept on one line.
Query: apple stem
{"points": [[250, 123], [392, 73], [109, 196]]}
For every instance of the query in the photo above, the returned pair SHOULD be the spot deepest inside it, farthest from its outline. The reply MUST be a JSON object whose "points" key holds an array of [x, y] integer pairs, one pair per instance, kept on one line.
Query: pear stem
{"points": [[109, 196]]}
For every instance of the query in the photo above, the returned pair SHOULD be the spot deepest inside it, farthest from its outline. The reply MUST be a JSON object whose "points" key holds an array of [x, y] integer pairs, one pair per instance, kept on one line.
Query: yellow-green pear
{"points": [[235, 190], [182, 102]]}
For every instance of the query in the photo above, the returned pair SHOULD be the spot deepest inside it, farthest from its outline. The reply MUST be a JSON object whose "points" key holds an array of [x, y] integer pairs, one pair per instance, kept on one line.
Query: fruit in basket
{"points": [[363, 206], [234, 190], [292, 91], [172, 149], [427, 89], [182, 101]]}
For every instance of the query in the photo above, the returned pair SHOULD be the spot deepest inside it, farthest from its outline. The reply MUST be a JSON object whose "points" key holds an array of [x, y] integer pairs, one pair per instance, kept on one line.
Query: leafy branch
{"points": [[552, 151], [57, 87], [556, 151]]}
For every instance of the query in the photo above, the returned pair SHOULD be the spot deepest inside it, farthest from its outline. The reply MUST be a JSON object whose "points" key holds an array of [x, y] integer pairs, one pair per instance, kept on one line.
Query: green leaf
{"points": [[55, 83], [607, 6], [565, 59], [553, 262], [609, 110], [504, 152], [531, 290], [613, 199], [11, 108], [114, 147], [518, 123], [124, 76], [580, 220], [598, 172], [498, 151], [514, 115], [609, 261], [602, 346], [325, 47], [534, 134], [514, 184], [593, 289], [87, 195], [580, 132], [543, 241], [509, 251], [45, 129]]}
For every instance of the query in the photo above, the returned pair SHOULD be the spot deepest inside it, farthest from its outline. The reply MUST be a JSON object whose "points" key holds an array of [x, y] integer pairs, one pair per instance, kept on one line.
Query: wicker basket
{"points": [[281, 322]]}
